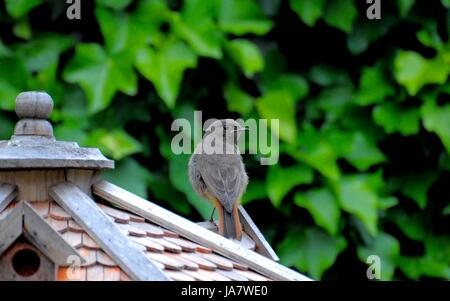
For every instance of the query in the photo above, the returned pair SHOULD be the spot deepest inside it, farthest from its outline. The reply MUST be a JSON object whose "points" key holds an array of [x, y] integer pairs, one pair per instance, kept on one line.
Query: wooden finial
{"points": [[33, 108]]}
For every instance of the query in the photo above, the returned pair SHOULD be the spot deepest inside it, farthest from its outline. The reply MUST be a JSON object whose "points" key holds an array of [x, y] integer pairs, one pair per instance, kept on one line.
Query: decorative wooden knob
{"points": [[36, 105], [33, 108]]}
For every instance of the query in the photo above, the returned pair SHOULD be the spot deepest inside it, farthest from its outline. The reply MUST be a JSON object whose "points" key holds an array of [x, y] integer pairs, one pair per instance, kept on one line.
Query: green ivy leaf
{"points": [[309, 11], [198, 29], [8, 127], [387, 248], [412, 225], [358, 196], [323, 207], [415, 267], [413, 71], [22, 29], [365, 33], [116, 143], [281, 180], [19, 8], [241, 17], [363, 153], [256, 190], [438, 247], [129, 175], [317, 152], [296, 85], [437, 119], [100, 75], [404, 6], [335, 101], [165, 68], [393, 119], [279, 105], [178, 173], [415, 185], [13, 80], [435, 262], [341, 14], [373, 87], [44, 50], [246, 55], [114, 4], [311, 250], [238, 100]]}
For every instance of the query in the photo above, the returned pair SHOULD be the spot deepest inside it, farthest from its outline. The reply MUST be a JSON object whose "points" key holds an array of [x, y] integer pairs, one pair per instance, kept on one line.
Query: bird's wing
{"points": [[223, 182]]}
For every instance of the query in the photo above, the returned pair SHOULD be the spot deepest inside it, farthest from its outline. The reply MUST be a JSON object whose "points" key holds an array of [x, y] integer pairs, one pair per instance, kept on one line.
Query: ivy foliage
{"points": [[363, 108]]}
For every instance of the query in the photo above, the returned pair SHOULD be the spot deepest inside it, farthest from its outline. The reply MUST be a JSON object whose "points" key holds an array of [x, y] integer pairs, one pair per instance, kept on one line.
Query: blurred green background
{"points": [[363, 106]]}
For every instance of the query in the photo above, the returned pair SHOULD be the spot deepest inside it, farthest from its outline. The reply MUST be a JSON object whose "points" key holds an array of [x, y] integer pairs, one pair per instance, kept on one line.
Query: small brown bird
{"points": [[217, 173]]}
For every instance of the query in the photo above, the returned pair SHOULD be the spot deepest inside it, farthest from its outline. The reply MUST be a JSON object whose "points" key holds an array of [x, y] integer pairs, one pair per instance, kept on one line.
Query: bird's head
{"points": [[227, 128]]}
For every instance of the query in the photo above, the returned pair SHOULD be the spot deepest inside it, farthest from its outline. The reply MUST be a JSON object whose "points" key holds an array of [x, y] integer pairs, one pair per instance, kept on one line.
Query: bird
{"points": [[217, 173]]}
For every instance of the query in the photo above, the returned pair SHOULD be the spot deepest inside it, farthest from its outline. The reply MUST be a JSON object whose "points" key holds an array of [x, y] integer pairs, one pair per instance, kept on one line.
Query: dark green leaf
{"points": [[311, 250], [363, 153], [437, 119], [341, 14], [373, 87], [281, 180], [413, 71], [358, 196], [323, 207], [308, 10], [100, 75], [130, 176], [247, 55], [241, 17], [393, 119], [197, 28], [19, 8], [165, 68], [316, 152], [238, 100], [114, 4], [387, 248], [279, 105], [117, 143], [415, 185]]}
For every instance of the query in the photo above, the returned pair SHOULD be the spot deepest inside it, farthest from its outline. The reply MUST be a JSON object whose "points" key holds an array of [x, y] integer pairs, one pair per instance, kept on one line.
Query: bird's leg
{"points": [[211, 219]]}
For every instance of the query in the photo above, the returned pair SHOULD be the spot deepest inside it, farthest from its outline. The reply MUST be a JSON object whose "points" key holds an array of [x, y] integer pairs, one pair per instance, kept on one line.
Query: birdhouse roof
{"points": [[118, 235]]}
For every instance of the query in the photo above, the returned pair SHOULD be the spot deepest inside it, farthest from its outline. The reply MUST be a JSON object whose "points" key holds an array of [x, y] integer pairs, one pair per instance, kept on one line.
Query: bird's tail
{"points": [[229, 223]]}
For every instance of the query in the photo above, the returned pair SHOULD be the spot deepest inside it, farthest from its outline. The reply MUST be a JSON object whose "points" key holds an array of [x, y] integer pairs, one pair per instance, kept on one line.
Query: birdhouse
{"points": [[59, 220]]}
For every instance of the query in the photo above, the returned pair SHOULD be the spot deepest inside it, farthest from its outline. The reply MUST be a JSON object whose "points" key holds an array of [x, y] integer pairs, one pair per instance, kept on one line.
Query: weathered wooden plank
{"points": [[262, 246], [11, 227], [46, 239], [33, 185], [194, 232], [83, 178], [104, 231], [7, 193]]}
